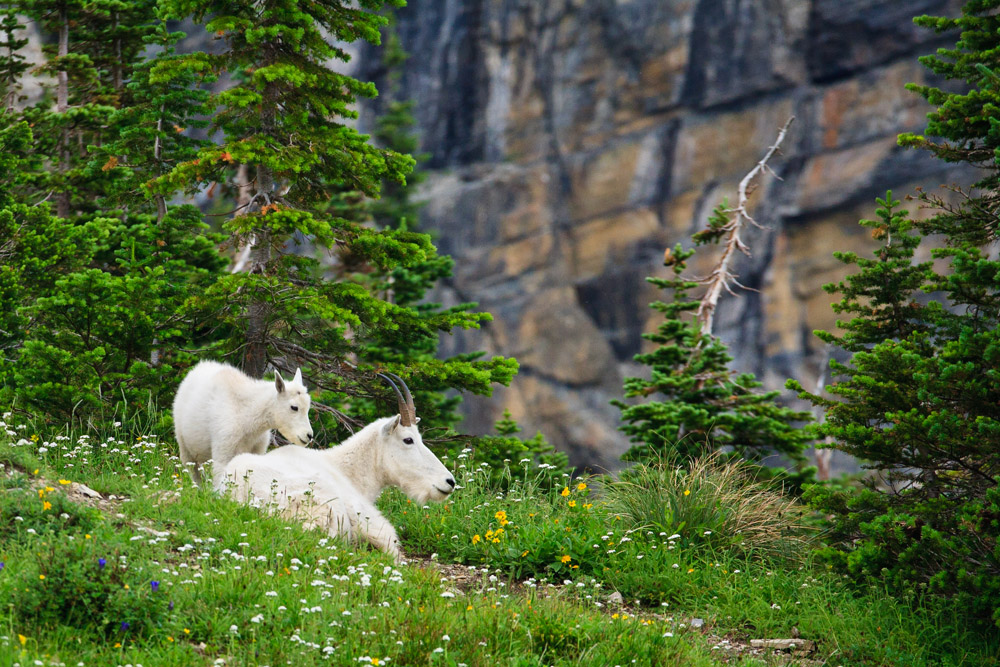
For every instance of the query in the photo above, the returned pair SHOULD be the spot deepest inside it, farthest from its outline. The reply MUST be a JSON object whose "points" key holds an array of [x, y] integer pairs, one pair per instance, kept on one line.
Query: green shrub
{"points": [[80, 583], [44, 512]]}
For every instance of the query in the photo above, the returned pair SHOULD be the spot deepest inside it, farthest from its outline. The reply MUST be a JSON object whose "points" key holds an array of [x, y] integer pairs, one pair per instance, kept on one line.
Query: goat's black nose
{"points": [[451, 482], [310, 435]]}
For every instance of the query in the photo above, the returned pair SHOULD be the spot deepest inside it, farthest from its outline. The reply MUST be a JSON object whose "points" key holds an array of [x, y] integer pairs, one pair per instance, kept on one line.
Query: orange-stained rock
{"points": [[598, 244]]}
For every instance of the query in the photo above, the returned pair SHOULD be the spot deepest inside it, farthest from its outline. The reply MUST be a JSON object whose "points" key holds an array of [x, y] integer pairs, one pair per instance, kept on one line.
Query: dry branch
{"points": [[722, 276]]}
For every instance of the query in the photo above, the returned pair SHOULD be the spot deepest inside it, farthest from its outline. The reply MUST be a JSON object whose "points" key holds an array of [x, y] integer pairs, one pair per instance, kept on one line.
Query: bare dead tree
{"points": [[722, 277]]}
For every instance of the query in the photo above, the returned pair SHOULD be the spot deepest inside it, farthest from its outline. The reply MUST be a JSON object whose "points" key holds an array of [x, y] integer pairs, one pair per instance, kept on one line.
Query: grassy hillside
{"points": [[520, 572]]}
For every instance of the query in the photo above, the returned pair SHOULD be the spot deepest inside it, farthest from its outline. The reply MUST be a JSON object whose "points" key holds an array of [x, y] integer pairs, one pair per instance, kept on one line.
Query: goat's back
{"points": [[295, 478], [208, 401]]}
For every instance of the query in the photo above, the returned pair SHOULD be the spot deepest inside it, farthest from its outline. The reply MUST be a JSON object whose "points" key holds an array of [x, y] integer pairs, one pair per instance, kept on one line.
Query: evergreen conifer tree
{"points": [[94, 291], [700, 405], [705, 406], [920, 398], [12, 63]]}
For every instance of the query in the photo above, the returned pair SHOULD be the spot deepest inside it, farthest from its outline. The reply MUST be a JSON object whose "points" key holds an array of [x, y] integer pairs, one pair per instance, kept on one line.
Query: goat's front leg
{"points": [[380, 534]]}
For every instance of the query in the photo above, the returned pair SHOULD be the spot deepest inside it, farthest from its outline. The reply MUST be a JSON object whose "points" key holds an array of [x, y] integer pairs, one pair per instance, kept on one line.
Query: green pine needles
{"points": [[700, 405]]}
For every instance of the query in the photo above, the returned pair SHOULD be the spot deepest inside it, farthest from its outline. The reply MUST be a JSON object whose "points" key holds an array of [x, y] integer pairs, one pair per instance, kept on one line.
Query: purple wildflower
{"points": [[125, 626], [155, 585]]}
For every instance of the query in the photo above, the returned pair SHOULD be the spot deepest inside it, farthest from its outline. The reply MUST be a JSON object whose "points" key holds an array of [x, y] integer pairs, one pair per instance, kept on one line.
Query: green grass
{"points": [[237, 587]]}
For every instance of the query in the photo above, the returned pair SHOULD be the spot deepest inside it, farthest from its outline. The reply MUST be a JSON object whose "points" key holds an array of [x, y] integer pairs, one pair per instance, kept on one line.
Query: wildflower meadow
{"points": [[110, 556]]}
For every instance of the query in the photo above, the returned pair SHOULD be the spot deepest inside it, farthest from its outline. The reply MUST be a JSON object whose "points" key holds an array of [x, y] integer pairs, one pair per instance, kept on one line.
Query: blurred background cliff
{"points": [[570, 142]]}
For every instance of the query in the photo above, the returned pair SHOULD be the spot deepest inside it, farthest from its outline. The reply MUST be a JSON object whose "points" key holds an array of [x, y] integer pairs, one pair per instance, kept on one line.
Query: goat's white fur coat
{"points": [[220, 412], [336, 489]]}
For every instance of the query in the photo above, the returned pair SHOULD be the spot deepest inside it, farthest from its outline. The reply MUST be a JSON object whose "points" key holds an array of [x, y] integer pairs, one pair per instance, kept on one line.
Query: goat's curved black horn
{"points": [[404, 407], [408, 397]]}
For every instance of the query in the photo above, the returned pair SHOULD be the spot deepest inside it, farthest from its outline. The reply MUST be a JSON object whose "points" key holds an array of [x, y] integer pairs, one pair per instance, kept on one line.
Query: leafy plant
{"points": [[82, 584], [721, 501]]}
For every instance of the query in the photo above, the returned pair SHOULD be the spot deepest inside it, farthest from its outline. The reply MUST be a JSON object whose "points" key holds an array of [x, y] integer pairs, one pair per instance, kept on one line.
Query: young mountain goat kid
{"points": [[219, 412], [336, 489]]}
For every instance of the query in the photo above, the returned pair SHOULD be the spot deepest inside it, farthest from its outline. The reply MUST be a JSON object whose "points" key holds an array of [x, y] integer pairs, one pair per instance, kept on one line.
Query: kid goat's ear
{"points": [[279, 384], [390, 426], [298, 376]]}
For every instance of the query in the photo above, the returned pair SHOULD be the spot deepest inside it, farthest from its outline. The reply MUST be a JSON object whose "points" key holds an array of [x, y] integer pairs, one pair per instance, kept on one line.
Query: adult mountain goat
{"points": [[220, 412], [336, 489]]}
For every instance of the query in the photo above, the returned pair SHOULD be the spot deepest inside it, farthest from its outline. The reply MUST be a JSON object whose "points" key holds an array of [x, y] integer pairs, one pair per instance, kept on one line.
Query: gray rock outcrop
{"points": [[571, 141]]}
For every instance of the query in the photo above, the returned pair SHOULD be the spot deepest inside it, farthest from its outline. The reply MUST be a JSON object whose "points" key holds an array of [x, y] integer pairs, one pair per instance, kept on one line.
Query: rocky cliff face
{"points": [[571, 141]]}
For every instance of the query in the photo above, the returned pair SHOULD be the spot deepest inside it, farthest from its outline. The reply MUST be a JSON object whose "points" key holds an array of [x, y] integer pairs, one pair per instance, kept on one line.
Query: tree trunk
{"points": [[62, 104], [116, 67], [255, 359], [161, 203]]}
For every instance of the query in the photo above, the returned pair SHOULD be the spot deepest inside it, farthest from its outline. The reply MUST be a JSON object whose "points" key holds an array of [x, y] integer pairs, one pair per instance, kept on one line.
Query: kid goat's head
{"points": [[291, 409], [407, 462]]}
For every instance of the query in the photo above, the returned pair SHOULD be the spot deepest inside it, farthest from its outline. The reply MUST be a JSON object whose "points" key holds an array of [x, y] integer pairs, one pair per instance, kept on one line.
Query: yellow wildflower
{"points": [[572, 503], [581, 487], [22, 639], [476, 539], [41, 493], [375, 661], [41, 577], [46, 505], [64, 482], [186, 631], [687, 492], [587, 506], [691, 570], [567, 558], [469, 608], [564, 492], [525, 553]]}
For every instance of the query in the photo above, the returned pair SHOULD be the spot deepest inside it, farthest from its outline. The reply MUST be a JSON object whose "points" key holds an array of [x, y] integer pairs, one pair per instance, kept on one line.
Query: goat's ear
{"points": [[298, 376], [417, 420], [390, 426], [279, 384]]}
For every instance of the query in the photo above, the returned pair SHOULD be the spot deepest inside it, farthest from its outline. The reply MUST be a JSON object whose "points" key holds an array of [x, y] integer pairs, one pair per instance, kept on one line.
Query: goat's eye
{"points": [[295, 408], [408, 441]]}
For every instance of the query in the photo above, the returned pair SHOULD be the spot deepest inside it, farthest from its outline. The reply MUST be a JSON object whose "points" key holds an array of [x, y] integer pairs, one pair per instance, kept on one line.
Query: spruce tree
{"points": [[701, 405], [919, 399], [694, 404], [96, 43], [12, 62], [95, 290]]}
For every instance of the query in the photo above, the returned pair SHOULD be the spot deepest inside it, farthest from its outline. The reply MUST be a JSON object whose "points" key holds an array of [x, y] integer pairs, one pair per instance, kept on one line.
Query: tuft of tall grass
{"points": [[715, 498]]}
